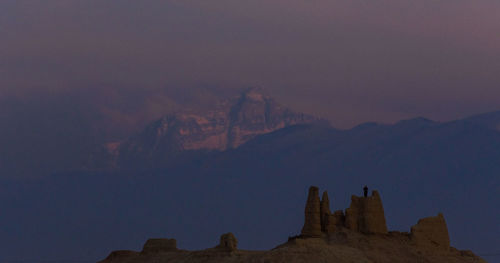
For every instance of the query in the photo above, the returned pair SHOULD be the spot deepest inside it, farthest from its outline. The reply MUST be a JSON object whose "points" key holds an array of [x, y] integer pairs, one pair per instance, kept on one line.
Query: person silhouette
{"points": [[365, 190]]}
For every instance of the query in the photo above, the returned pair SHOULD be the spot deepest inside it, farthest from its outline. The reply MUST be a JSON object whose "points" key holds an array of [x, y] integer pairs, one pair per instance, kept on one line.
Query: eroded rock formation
{"points": [[431, 232], [312, 223]]}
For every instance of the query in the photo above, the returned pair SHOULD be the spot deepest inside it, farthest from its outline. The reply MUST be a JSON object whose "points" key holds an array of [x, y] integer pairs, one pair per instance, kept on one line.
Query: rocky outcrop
{"points": [[312, 222], [228, 242], [366, 215], [431, 232], [157, 245]]}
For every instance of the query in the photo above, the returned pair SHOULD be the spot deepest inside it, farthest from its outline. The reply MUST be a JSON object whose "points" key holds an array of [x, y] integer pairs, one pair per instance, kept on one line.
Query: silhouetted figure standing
{"points": [[365, 190]]}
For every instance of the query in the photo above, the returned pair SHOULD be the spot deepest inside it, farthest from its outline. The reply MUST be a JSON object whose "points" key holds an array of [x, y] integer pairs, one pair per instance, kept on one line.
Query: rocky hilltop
{"points": [[230, 124], [358, 234]]}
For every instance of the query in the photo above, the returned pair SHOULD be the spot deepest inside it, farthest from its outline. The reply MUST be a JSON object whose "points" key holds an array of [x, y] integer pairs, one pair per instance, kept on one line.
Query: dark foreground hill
{"points": [[358, 235], [352, 248]]}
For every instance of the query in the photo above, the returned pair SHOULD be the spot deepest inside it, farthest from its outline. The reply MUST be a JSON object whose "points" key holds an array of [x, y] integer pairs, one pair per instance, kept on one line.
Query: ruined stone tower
{"points": [[325, 211], [366, 215], [431, 232], [318, 217], [312, 223]]}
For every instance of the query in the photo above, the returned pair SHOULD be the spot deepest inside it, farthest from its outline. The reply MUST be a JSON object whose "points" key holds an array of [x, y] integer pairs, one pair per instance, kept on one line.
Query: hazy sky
{"points": [[347, 60]]}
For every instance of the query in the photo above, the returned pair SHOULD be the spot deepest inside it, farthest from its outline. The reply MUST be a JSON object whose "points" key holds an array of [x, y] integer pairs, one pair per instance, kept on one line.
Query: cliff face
{"points": [[228, 125]]}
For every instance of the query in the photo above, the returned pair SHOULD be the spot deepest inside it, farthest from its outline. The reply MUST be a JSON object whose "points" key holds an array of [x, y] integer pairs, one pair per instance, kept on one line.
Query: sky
{"points": [[117, 63]]}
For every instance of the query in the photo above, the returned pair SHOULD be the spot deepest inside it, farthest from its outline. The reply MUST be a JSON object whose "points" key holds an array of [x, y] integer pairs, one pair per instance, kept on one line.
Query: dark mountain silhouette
{"points": [[422, 167]]}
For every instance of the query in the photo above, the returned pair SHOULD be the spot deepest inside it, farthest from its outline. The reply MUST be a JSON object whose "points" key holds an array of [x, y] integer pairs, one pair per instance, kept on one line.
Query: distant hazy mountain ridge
{"points": [[228, 125]]}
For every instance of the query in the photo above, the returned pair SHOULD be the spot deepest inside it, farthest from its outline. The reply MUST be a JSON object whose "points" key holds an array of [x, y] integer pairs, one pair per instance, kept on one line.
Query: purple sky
{"points": [[349, 61]]}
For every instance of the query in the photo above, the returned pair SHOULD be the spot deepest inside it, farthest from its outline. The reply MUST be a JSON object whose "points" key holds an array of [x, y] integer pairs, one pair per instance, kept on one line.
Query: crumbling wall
{"points": [[431, 232], [352, 214], [337, 219], [228, 242]]}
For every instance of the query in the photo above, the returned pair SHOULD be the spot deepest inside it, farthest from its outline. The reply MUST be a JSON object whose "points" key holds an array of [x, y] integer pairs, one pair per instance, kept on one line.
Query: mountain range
{"points": [[228, 125]]}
